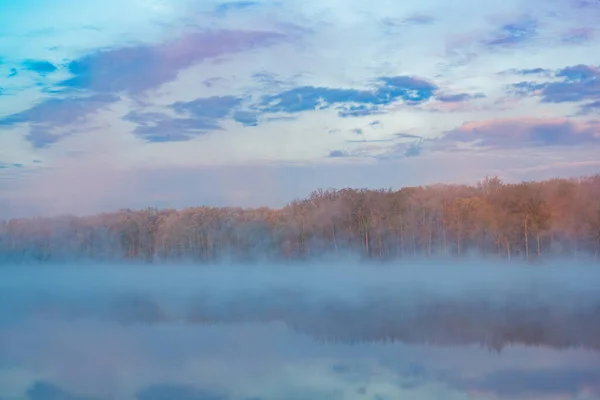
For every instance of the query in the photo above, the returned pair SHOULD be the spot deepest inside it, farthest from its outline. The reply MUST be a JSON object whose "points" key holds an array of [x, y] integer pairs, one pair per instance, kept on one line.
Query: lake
{"points": [[168, 333]]}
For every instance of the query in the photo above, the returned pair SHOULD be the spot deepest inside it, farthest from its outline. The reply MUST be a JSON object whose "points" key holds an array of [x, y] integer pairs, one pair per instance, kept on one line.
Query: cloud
{"points": [[407, 136], [420, 19], [517, 133], [514, 33], [414, 19], [578, 35], [407, 88], [160, 128], [139, 68], [59, 111], [246, 118], [225, 8], [42, 137], [585, 4], [353, 102], [526, 88], [56, 113], [133, 70], [46, 391], [407, 147], [590, 107], [359, 111], [216, 107], [199, 116], [179, 392], [531, 71], [577, 83], [337, 154], [310, 98], [460, 97], [579, 73], [268, 80], [414, 149], [40, 67]]}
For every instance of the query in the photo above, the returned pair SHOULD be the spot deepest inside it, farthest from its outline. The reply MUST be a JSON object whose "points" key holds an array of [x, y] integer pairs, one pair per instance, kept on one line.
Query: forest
{"points": [[527, 221]]}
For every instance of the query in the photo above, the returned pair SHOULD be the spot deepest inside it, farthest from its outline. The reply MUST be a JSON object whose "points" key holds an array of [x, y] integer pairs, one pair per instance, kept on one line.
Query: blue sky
{"points": [[173, 103]]}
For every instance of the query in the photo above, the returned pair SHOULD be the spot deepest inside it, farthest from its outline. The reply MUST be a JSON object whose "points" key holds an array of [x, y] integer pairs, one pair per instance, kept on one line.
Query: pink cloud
{"points": [[135, 69], [523, 132], [579, 34]]}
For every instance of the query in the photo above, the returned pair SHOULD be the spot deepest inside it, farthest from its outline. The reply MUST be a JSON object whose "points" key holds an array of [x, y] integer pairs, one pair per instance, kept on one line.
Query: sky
{"points": [[177, 103]]}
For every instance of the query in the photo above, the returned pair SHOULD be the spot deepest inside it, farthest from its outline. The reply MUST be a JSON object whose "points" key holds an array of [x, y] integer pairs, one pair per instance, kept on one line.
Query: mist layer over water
{"points": [[303, 332]]}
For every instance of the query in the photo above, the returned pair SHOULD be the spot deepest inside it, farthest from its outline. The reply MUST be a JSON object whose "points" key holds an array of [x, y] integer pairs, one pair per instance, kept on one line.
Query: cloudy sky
{"points": [[173, 103]]}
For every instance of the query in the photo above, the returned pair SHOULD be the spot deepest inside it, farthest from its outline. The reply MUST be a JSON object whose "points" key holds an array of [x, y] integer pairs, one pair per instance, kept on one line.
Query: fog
{"points": [[356, 299], [299, 331]]}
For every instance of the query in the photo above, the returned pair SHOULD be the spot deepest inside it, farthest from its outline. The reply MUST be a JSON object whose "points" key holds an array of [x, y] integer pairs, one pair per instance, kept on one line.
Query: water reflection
{"points": [[88, 342], [101, 360]]}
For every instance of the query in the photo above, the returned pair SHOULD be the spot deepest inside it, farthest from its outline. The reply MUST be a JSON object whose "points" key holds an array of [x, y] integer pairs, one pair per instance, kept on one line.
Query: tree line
{"points": [[525, 221]]}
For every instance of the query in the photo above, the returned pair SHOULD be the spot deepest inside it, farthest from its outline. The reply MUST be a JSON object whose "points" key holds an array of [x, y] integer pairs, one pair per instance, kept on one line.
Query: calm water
{"points": [[200, 335]]}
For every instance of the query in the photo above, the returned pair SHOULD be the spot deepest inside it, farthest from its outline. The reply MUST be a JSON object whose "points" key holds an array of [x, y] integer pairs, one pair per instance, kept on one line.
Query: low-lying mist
{"points": [[445, 303]]}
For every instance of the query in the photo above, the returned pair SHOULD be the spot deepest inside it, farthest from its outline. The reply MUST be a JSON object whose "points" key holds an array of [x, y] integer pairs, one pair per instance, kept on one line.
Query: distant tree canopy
{"points": [[524, 221]]}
